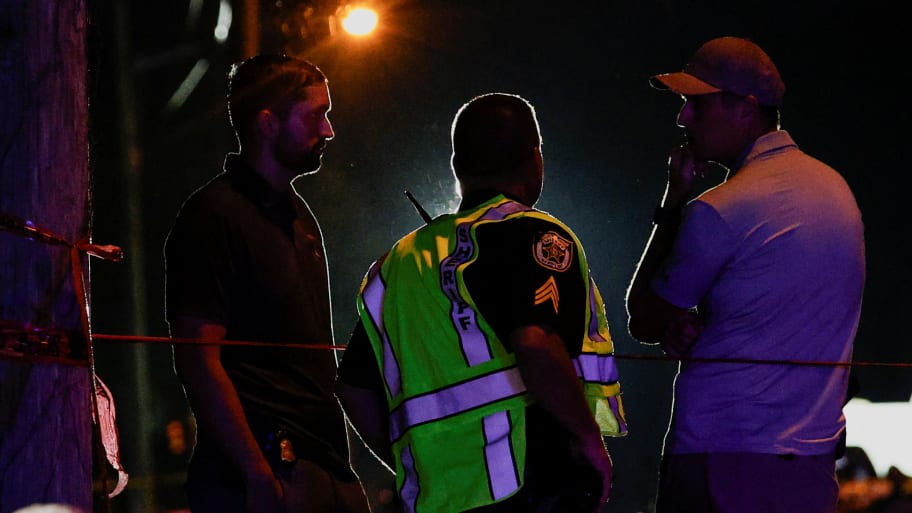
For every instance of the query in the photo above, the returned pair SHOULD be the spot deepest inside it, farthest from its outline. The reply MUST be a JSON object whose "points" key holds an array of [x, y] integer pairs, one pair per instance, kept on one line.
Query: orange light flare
{"points": [[358, 20]]}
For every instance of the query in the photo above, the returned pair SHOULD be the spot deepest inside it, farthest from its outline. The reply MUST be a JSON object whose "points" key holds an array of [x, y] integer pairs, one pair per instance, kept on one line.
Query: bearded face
{"points": [[302, 138]]}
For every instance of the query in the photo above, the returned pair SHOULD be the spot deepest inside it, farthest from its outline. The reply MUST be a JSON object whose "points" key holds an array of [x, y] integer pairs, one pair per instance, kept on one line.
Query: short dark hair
{"points": [[267, 81], [492, 134], [769, 114]]}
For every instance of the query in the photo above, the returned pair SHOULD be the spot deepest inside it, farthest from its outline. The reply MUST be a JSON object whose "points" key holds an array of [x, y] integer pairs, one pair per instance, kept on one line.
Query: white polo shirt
{"points": [[774, 259]]}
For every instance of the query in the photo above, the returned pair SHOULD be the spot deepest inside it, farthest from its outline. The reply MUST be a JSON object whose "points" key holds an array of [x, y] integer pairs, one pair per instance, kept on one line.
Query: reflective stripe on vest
{"points": [[373, 293], [594, 333], [471, 338], [410, 488], [503, 477], [596, 368], [455, 399], [502, 474], [593, 367]]}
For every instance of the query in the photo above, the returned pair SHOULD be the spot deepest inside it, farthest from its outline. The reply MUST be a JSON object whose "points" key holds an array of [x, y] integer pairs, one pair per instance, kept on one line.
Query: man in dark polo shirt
{"points": [[245, 261]]}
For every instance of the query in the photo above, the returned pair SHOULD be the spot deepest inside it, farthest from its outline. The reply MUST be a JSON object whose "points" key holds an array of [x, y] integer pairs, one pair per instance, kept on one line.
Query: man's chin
{"points": [[310, 167]]}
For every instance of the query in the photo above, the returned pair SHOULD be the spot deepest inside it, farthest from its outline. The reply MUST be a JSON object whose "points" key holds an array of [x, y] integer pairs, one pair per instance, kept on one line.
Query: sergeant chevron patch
{"points": [[548, 292], [553, 251]]}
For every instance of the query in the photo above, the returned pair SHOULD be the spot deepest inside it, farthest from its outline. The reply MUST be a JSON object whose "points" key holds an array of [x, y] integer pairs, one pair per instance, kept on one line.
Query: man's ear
{"points": [[749, 107], [267, 124]]}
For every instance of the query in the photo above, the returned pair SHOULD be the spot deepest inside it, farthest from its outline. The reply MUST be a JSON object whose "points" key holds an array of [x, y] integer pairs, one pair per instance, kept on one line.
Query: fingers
{"points": [[682, 174], [681, 333], [680, 160], [700, 168]]}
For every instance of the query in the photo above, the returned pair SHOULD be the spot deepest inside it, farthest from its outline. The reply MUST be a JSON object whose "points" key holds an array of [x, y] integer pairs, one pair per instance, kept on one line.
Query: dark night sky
{"points": [[606, 133]]}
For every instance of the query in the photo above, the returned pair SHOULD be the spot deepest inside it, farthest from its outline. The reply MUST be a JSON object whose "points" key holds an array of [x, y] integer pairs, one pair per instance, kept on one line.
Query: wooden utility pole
{"points": [[45, 403]]}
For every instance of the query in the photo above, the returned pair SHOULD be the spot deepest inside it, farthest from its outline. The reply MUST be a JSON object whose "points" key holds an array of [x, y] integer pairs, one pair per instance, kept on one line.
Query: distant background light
{"points": [[359, 21], [188, 85], [882, 430], [223, 25]]}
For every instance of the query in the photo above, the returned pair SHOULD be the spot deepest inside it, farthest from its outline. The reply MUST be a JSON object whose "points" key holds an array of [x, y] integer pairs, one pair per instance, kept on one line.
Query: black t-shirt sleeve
{"points": [[527, 272], [359, 366]]}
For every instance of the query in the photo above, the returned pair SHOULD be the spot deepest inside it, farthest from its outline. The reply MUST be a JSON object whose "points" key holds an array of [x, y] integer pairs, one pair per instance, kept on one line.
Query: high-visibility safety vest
{"points": [[456, 399]]}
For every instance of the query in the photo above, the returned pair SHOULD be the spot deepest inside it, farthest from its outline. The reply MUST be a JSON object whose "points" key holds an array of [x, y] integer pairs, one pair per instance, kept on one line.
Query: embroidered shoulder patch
{"points": [[553, 251]]}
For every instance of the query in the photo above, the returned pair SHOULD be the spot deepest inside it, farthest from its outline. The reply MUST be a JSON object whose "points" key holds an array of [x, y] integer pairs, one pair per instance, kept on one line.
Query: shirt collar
{"points": [[769, 142], [250, 183]]}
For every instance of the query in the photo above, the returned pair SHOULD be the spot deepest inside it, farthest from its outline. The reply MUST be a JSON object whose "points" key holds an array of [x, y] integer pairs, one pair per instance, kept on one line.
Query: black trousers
{"points": [[214, 487]]}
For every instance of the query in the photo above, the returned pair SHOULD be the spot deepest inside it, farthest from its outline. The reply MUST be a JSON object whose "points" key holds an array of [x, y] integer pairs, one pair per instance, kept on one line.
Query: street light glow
{"points": [[359, 21], [223, 25]]}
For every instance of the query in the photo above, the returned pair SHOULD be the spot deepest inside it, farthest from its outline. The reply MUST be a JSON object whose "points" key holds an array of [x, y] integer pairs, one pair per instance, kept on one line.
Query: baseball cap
{"points": [[730, 64]]}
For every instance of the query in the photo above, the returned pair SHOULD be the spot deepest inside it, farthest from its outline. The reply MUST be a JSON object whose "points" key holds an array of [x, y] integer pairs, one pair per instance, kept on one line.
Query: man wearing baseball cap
{"points": [[745, 284]]}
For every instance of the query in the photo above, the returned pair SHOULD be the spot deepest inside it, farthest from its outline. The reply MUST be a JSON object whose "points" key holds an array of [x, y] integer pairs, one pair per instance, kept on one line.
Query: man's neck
{"points": [[474, 197], [276, 176], [739, 161]]}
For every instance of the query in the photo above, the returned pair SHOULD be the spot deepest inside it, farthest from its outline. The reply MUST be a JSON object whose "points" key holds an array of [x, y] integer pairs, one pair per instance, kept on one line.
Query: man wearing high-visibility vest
{"points": [[481, 371]]}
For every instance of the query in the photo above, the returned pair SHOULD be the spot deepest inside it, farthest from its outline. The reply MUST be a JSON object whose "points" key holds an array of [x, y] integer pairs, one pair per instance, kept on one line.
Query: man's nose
{"points": [[326, 130], [685, 115]]}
